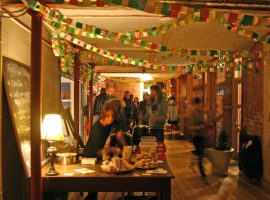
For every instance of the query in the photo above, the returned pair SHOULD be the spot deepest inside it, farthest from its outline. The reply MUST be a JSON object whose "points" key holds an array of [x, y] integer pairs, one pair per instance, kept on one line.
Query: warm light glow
{"points": [[145, 77], [142, 76], [51, 128]]}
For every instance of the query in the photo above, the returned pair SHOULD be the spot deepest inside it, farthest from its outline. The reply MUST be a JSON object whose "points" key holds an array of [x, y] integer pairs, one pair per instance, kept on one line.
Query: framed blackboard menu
{"points": [[17, 85]]}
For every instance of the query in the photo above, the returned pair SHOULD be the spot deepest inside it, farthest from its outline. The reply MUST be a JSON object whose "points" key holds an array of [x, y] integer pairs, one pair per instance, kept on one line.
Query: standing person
{"points": [[136, 101], [127, 110], [143, 108], [157, 113], [197, 127], [136, 110], [98, 103]]}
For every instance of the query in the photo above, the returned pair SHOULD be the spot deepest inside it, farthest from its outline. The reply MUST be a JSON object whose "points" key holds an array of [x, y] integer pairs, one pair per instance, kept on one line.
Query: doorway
{"points": [[236, 111]]}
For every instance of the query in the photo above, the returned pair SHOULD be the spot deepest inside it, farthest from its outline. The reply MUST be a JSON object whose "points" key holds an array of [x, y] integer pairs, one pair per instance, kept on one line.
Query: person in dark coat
{"points": [[127, 110], [143, 108], [98, 103]]}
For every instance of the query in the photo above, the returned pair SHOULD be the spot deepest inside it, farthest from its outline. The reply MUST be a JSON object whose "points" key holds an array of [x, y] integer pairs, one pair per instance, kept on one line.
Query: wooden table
{"points": [[134, 181]]}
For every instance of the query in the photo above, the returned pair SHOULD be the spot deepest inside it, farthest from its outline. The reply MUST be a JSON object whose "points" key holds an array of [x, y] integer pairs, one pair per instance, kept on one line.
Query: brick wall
{"points": [[118, 88], [253, 100]]}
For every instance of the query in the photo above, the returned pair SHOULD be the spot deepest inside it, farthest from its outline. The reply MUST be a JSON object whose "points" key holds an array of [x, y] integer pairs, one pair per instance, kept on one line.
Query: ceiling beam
{"points": [[232, 5]]}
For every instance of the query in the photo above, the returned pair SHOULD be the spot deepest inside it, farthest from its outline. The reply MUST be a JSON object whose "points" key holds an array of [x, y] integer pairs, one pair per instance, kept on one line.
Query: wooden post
{"points": [[1, 188], [35, 106], [90, 101], [77, 98]]}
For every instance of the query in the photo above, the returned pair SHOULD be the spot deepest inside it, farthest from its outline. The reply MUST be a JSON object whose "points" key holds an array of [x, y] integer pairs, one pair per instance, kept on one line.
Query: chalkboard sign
{"points": [[17, 85]]}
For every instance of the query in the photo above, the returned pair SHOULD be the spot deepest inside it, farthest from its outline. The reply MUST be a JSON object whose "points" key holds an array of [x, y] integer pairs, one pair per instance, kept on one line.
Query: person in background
{"points": [[157, 113], [127, 110], [136, 101], [136, 110], [143, 108], [131, 98], [197, 127], [98, 103]]}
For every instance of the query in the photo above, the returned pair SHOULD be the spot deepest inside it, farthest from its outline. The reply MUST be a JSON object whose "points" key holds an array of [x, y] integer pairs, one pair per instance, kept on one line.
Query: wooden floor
{"points": [[188, 185]]}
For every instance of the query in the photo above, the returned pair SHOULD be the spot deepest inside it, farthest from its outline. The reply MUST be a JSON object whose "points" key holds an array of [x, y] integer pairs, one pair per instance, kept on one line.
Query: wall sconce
{"points": [[51, 130]]}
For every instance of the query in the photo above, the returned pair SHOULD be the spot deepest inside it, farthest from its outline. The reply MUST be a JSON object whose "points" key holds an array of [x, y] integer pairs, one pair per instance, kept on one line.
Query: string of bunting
{"points": [[127, 40], [200, 14], [113, 36], [188, 53], [67, 53], [200, 66], [148, 45], [172, 53], [175, 10], [85, 55], [115, 56], [163, 66], [225, 58], [218, 66], [244, 33], [54, 14]]}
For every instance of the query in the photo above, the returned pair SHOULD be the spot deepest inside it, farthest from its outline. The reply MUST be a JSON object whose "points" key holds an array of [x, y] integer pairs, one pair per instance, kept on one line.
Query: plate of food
{"points": [[116, 166], [145, 161], [138, 157], [146, 166]]}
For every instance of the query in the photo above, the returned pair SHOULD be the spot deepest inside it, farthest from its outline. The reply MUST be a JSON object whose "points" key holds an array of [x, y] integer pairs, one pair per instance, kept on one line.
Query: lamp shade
{"points": [[51, 128]]}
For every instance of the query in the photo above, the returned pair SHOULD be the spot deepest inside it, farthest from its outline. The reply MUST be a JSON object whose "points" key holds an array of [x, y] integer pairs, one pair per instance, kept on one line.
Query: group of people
{"points": [[114, 116], [133, 112]]}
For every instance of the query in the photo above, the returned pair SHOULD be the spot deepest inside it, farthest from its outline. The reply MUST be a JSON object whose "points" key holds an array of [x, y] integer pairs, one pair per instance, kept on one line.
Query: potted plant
{"points": [[220, 156]]}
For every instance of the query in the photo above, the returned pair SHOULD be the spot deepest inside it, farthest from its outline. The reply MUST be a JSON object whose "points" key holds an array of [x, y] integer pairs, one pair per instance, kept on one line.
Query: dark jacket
{"points": [[99, 101], [128, 109]]}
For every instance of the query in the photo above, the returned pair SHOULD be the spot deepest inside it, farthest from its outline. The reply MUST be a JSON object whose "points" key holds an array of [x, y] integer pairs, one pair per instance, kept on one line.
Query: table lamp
{"points": [[51, 130]]}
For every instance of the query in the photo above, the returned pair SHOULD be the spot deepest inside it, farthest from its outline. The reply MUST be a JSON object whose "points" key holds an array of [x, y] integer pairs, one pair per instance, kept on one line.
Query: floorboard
{"points": [[188, 185]]}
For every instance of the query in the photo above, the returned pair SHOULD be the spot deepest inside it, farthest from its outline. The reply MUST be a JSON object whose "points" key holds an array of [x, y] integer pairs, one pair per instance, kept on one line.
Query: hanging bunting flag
{"points": [[166, 9], [232, 19], [196, 16], [247, 20], [175, 9], [212, 15], [100, 3], [204, 14]]}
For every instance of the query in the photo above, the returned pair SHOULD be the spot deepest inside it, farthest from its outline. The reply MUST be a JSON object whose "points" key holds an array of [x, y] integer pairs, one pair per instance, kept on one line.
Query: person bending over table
{"points": [[103, 135]]}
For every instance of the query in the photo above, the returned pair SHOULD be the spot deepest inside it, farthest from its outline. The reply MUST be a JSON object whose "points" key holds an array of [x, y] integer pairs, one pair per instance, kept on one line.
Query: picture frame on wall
{"points": [[65, 91]]}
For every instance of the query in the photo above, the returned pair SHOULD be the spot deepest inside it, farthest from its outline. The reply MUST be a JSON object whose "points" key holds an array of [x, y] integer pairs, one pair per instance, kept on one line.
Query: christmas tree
{"points": [[223, 141]]}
